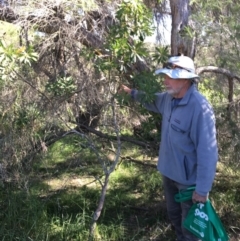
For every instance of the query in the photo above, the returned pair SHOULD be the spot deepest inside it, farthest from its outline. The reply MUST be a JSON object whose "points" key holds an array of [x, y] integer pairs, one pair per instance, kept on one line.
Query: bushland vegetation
{"points": [[78, 160]]}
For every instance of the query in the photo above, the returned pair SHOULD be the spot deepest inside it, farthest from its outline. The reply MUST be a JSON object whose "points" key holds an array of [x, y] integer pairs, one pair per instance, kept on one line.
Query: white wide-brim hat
{"points": [[179, 67], [177, 73]]}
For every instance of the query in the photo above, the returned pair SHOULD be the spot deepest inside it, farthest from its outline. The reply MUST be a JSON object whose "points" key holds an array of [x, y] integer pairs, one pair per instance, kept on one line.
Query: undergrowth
{"points": [[62, 191]]}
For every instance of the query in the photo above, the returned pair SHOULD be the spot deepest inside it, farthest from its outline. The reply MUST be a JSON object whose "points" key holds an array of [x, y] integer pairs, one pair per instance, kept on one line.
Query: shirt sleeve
{"points": [[157, 105], [204, 137]]}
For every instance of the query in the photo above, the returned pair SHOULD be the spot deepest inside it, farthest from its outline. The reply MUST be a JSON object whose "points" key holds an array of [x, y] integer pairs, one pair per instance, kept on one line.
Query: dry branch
{"points": [[144, 144], [7, 14], [54, 23], [217, 70]]}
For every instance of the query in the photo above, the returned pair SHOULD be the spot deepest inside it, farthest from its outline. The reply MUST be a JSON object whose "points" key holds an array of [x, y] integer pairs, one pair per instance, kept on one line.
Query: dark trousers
{"points": [[177, 211]]}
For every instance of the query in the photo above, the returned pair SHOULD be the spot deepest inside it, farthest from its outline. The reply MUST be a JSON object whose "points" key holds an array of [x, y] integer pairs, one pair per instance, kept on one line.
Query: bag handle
{"points": [[184, 195]]}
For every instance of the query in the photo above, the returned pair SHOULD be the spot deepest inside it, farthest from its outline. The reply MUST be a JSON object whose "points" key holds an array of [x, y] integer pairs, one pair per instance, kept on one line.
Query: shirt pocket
{"points": [[177, 129], [179, 136]]}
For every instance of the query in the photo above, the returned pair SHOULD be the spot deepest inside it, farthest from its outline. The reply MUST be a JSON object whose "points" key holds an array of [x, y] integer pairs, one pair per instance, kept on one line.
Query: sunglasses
{"points": [[172, 66]]}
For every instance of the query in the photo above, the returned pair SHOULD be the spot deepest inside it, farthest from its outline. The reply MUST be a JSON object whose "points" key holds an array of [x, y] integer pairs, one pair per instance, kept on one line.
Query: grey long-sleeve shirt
{"points": [[188, 151]]}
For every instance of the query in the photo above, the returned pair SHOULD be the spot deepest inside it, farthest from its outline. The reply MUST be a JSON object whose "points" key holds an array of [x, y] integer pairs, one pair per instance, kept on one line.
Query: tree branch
{"points": [[217, 70], [144, 144]]}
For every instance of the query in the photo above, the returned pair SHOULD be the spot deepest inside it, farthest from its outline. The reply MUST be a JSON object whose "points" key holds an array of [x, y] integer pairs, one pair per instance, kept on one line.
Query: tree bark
{"points": [[181, 44], [98, 211]]}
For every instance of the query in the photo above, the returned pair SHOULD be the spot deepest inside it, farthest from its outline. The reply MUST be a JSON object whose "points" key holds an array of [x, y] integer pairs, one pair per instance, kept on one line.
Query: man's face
{"points": [[176, 87]]}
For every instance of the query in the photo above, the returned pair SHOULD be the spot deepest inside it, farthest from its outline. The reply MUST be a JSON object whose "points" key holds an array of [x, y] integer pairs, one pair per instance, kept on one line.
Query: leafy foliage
{"points": [[126, 38], [12, 57], [161, 54], [62, 86]]}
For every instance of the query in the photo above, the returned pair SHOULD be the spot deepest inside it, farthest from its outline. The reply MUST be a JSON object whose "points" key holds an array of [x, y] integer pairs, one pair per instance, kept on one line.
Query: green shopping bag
{"points": [[202, 220]]}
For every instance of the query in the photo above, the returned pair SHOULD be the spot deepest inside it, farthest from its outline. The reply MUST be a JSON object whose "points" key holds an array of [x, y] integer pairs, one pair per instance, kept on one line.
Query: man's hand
{"points": [[124, 88], [196, 198]]}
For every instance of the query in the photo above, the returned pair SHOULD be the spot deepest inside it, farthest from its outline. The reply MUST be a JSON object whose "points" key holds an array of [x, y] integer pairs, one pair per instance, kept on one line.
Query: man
{"points": [[188, 151]]}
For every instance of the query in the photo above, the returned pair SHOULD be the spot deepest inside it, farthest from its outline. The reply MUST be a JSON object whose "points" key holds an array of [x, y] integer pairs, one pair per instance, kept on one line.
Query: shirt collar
{"points": [[187, 96]]}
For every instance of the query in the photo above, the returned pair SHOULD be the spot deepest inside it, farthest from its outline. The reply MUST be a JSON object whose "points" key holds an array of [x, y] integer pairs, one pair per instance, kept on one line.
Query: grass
{"points": [[62, 193]]}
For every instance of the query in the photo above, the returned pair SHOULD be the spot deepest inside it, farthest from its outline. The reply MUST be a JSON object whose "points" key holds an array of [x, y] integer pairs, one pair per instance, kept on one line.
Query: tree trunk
{"points": [[180, 42], [98, 211], [230, 98]]}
